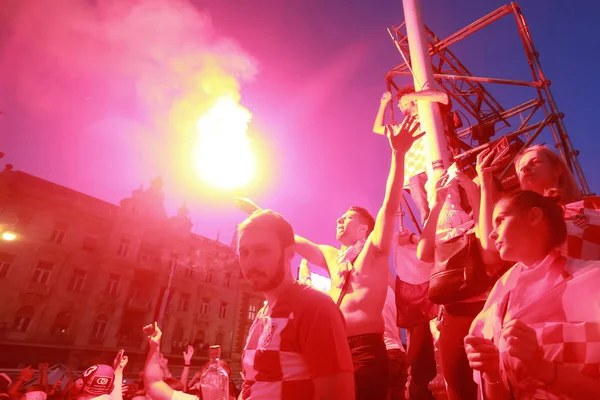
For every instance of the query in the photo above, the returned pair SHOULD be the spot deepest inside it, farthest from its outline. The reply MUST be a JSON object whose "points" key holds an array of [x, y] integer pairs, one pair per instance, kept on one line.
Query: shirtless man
{"points": [[360, 267]]}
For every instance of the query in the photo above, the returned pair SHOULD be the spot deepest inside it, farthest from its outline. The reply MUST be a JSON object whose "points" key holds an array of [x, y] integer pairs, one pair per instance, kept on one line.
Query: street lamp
{"points": [[9, 236]]}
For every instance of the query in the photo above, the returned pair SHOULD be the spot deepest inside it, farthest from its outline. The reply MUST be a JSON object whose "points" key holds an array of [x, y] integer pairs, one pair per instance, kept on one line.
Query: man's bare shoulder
{"points": [[329, 252]]}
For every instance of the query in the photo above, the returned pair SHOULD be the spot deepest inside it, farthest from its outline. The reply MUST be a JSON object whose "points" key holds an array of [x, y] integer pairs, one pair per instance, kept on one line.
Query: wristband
{"points": [[187, 365]]}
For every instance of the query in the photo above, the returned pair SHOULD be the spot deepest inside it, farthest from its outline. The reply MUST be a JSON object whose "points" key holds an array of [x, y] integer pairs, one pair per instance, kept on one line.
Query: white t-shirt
{"points": [[391, 334]]}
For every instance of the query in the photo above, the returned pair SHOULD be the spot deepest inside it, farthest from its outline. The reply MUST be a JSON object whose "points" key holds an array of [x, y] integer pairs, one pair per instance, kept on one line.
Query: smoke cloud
{"points": [[146, 58]]}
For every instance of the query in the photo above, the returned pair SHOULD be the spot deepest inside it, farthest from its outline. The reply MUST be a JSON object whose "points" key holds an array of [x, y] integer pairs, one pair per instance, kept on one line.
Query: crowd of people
{"points": [[519, 319]]}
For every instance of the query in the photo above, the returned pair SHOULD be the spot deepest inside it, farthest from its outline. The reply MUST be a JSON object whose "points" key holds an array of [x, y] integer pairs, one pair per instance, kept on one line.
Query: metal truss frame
{"points": [[528, 119]]}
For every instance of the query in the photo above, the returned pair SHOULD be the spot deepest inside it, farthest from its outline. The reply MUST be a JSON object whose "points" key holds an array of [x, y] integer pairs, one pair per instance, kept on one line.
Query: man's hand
{"points": [[246, 205], [386, 98], [154, 336], [187, 354], [26, 374], [484, 357], [120, 361], [402, 141], [404, 237]]}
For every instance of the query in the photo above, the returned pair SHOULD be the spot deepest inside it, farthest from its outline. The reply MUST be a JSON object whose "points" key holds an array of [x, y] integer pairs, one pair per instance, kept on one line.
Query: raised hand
{"points": [[120, 360], [402, 138], [187, 354], [26, 374], [484, 166], [483, 356], [154, 335], [246, 205], [386, 98]]}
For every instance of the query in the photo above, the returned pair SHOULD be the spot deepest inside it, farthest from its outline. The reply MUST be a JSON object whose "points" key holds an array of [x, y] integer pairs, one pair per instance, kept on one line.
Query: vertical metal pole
{"points": [[430, 118]]}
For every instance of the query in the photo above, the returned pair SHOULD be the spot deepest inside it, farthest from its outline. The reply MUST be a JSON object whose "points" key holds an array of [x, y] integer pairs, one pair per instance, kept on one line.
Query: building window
{"points": [[4, 267], [58, 233], [123, 249], [205, 306], [184, 302], [61, 323], [189, 271], [227, 279], [23, 318], [113, 284], [90, 243], [199, 340], [6, 261], [223, 311], [100, 325], [145, 256], [208, 277], [76, 282], [219, 339], [251, 312], [41, 274], [177, 338]]}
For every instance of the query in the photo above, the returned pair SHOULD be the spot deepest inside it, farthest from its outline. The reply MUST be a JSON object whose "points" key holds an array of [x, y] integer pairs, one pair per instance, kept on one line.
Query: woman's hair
{"points": [[524, 200], [567, 190]]}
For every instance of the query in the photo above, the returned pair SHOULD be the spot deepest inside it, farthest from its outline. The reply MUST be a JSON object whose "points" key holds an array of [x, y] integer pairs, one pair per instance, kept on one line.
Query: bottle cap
{"points": [[214, 351]]}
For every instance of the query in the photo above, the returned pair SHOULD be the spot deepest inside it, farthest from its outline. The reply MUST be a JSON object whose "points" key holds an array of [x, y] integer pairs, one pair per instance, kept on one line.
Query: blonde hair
{"points": [[567, 190]]}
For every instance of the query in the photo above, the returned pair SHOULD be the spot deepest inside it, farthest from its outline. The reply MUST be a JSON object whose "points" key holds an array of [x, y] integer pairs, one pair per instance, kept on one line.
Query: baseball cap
{"points": [[36, 395], [98, 379]]}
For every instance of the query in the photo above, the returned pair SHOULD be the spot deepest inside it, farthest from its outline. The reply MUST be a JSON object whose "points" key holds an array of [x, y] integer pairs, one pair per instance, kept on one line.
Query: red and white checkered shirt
{"points": [[560, 302], [302, 337], [583, 226]]}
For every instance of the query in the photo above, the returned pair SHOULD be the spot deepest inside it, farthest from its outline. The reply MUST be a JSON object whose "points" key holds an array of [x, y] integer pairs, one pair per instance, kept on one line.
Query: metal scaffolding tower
{"points": [[524, 121]]}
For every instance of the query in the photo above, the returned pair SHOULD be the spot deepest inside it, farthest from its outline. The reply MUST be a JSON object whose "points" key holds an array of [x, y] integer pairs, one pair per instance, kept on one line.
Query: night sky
{"points": [[91, 100]]}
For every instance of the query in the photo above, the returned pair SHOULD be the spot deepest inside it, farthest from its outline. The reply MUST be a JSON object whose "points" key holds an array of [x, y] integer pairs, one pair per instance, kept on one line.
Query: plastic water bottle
{"points": [[214, 381]]}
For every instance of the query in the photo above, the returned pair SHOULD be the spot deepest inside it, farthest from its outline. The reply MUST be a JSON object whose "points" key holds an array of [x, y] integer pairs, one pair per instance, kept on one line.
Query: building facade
{"points": [[83, 276]]}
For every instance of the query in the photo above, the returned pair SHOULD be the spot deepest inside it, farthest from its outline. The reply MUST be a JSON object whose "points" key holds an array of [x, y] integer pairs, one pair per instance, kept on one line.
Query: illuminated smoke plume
{"points": [[80, 61]]}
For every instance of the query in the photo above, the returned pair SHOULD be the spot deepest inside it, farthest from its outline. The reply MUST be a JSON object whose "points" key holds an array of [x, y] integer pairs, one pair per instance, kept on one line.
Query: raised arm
{"points": [[156, 388], [119, 365], [187, 362], [401, 139], [488, 195], [426, 246], [378, 126]]}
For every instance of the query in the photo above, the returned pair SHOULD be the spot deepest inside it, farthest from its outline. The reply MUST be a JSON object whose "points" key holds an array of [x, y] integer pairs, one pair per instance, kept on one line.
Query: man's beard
{"points": [[275, 281]]}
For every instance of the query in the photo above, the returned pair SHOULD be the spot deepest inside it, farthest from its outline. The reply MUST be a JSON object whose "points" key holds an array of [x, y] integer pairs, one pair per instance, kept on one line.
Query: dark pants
{"points": [[398, 374], [422, 368], [369, 357], [416, 186], [457, 373]]}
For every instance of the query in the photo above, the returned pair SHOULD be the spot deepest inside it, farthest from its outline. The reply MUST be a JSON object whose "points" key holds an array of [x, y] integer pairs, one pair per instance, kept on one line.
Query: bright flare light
{"points": [[223, 157], [8, 236]]}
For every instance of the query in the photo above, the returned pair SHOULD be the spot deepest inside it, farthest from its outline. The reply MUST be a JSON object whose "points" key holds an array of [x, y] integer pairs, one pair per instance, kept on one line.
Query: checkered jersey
{"points": [[301, 338], [583, 226], [574, 345], [415, 160]]}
